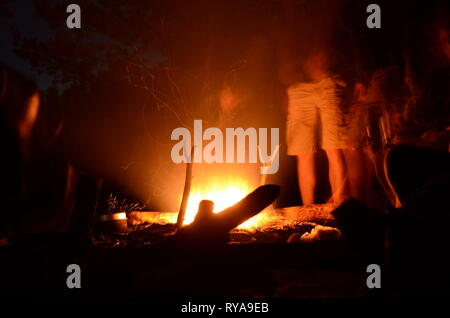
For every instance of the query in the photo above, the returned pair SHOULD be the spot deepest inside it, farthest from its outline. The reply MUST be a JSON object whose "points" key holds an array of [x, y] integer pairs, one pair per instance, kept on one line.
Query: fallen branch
{"points": [[209, 228], [186, 190]]}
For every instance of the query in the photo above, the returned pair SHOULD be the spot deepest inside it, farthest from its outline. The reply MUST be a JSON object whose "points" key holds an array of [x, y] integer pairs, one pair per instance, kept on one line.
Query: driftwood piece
{"points": [[186, 190], [209, 228]]}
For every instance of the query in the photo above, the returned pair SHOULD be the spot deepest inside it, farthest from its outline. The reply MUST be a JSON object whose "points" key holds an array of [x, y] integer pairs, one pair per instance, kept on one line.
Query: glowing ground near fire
{"points": [[320, 213]]}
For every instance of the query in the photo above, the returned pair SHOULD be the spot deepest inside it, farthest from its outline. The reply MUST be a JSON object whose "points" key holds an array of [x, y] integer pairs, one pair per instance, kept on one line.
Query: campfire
{"points": [[224, 193], [224, 204], [289, 224]]}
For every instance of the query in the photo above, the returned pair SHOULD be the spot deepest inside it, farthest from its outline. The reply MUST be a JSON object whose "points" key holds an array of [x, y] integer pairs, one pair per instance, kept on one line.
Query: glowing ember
{"points": [[269, 219], [263, 218]]}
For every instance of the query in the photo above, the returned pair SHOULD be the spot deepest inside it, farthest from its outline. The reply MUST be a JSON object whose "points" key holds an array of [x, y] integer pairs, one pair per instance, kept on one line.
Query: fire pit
{"points": [[282, 225], [263, 253]]}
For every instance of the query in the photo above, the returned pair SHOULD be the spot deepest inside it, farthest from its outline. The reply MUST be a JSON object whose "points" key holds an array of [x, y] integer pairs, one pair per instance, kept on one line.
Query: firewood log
{"points": [[209, 228]]}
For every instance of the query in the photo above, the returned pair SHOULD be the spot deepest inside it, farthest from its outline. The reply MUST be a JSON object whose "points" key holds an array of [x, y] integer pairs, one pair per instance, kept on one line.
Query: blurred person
{"points": [[316, 49], [37, 181], [316, 120], [373, 102], [422, 143], [19, 107]]}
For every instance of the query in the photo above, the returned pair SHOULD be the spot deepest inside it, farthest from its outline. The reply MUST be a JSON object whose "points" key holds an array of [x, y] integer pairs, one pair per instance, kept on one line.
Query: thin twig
{"points": [[186, 191]]}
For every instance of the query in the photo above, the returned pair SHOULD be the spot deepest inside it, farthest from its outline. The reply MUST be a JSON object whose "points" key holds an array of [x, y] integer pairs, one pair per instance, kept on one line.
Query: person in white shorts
{"points": [[317, 120]]}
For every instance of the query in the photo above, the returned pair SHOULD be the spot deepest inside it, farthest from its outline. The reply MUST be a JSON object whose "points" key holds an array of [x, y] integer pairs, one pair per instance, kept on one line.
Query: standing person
{"points": [[19, 107], [317, 120], [318, 66]]}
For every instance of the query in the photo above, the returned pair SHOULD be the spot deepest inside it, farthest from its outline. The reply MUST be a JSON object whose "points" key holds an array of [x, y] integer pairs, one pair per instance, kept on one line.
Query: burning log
{"points": [[210, 228], [205, 212]]}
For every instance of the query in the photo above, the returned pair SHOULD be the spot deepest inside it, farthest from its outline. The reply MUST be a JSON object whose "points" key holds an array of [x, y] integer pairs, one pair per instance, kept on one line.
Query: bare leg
{"points": [[360, 172], [338, 175], [306, 167]]}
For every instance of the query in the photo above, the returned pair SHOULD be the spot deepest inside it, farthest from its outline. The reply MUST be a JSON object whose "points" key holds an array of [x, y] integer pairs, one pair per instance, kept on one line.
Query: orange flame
{"points": [[224, 193]]}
